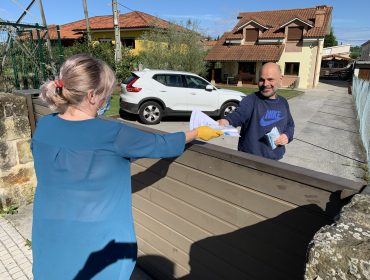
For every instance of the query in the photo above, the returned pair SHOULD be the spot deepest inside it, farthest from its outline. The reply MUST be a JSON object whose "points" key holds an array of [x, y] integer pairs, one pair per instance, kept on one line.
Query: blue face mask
{"points": [[105, 107]]}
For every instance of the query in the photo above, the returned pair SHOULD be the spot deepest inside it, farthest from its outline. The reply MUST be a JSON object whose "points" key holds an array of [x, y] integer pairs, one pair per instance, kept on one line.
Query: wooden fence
{"points": [[215, 213], [364, 74]]}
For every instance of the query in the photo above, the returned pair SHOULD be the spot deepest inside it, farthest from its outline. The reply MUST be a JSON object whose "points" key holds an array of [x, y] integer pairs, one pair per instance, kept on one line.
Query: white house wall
{"points": [[307, 60]]}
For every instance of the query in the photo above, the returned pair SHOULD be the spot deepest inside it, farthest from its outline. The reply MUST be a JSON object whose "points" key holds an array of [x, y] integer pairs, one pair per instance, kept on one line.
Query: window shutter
{"points": [[295, 33], [251, 35]]}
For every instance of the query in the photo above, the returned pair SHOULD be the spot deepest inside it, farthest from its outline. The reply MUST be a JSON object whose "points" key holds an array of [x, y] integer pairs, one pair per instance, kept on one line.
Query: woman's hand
{"points": [[206, 133]]}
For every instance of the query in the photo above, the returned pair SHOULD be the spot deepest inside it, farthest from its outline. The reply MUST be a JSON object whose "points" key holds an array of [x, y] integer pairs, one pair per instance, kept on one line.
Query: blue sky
{"points": [[351, 20]]}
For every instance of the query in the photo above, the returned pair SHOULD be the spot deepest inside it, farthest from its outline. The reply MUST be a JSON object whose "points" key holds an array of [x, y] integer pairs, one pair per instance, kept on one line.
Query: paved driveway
{"points": [[327, 138], [326, 135]]}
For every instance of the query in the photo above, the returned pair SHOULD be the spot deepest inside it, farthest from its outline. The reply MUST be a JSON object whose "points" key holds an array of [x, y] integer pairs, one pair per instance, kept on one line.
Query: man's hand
{"points": [[282, 140], [206, 133], [223, 122]]}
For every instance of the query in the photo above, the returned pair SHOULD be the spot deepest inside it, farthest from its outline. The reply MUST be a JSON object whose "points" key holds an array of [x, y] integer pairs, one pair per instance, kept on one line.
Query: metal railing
{"points": [[361, 94], [24, 60]]}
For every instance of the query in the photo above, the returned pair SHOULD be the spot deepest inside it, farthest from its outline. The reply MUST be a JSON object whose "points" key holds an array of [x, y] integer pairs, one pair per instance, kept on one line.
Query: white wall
{"points": [[307, 61]]}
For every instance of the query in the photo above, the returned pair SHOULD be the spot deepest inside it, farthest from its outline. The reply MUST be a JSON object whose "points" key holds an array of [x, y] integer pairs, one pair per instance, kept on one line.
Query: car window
{"points": [[170, 80], [195, 82], [129, 79]]}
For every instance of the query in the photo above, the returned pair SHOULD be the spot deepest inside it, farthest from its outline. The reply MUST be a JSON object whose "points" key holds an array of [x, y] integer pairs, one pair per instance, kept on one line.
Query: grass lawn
{"points": [[114, 103]]}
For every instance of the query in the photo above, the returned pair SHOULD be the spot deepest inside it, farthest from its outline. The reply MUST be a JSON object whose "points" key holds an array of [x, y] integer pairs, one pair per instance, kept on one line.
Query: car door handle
{"points": [[163, 90], [193, 93]]}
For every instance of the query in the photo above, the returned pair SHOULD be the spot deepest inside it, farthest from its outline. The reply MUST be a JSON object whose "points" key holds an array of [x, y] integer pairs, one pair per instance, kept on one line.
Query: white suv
{"points": [[153, 94]]}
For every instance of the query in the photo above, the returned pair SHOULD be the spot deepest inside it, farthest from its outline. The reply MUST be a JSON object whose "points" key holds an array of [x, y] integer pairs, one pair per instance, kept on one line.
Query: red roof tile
{"points": [[66, 32], [130, 20], [210, 43], [231, 36], [257, 20], [273, 20], [74, 30], [277, 18], [245, 53]]}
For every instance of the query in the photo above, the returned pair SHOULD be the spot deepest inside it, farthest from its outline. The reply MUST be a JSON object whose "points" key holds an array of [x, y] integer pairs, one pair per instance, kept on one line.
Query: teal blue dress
{"points": [[82, 220]]}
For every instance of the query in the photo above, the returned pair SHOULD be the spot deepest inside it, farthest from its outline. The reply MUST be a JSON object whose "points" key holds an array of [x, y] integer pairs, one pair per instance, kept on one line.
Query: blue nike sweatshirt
{"points": [[257, 115]]}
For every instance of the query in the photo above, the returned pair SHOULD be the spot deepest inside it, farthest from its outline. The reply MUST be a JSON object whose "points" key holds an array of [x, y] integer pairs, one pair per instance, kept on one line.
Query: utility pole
{"points": [[47, 38], [117, 35], [87, 22]]}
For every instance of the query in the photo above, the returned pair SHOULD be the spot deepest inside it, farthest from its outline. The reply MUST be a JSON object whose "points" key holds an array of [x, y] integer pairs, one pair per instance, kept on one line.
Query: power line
{"points": [[342, 39], [25, 10], [125, 7]]}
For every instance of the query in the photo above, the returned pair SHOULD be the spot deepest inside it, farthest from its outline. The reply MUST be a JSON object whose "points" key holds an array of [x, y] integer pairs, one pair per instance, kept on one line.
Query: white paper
{"points": [[272, 136], [198, 118]]}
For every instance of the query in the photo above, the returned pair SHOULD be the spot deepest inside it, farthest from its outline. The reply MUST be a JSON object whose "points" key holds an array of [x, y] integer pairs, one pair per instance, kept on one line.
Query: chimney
{"points": [[320, 15]]}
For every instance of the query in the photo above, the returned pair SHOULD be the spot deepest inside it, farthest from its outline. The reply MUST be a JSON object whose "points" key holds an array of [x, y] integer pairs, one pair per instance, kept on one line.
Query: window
{"points": [[128, 43], [292, 68], [105, 40], [169, 80], [295, 33], [247, 67], [251, 35], [130, 79], [195, 82]]}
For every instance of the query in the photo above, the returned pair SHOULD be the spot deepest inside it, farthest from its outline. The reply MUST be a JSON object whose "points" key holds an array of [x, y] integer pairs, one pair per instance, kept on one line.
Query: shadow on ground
{"points": [[335, 82]]}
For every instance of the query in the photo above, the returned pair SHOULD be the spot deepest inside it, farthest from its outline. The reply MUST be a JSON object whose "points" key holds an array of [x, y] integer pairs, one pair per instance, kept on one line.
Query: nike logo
{"points": [[271, 116]]}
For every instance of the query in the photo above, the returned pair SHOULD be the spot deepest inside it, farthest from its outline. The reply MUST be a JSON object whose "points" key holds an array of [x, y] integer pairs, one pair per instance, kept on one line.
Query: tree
{"points": [[127, 64], [355, 52], [105, 52], [101, 50], [330, 39], [178, 47]]}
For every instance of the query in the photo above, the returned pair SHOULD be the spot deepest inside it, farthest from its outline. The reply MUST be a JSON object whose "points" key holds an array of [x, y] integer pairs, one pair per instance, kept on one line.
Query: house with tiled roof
{"points": [[292, 38], [365, 51], [132, 26]]}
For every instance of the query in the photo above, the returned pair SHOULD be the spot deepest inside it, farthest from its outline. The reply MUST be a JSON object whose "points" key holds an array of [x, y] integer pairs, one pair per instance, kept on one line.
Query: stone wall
{"points": [[341, 251], [17, 176]]}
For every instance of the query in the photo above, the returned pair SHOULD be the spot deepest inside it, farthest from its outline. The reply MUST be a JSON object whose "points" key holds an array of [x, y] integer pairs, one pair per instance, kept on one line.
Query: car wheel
{"points": [[150, 113], [228, 108]]}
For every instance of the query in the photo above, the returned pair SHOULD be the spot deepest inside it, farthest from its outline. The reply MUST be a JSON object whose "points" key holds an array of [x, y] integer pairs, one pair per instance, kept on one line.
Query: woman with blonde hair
{"points": [[82, 220]]}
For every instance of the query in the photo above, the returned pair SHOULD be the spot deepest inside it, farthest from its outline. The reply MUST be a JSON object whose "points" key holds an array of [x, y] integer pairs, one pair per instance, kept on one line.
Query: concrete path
{"points": [[326, 140], [15, 254], [15, 250]]}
